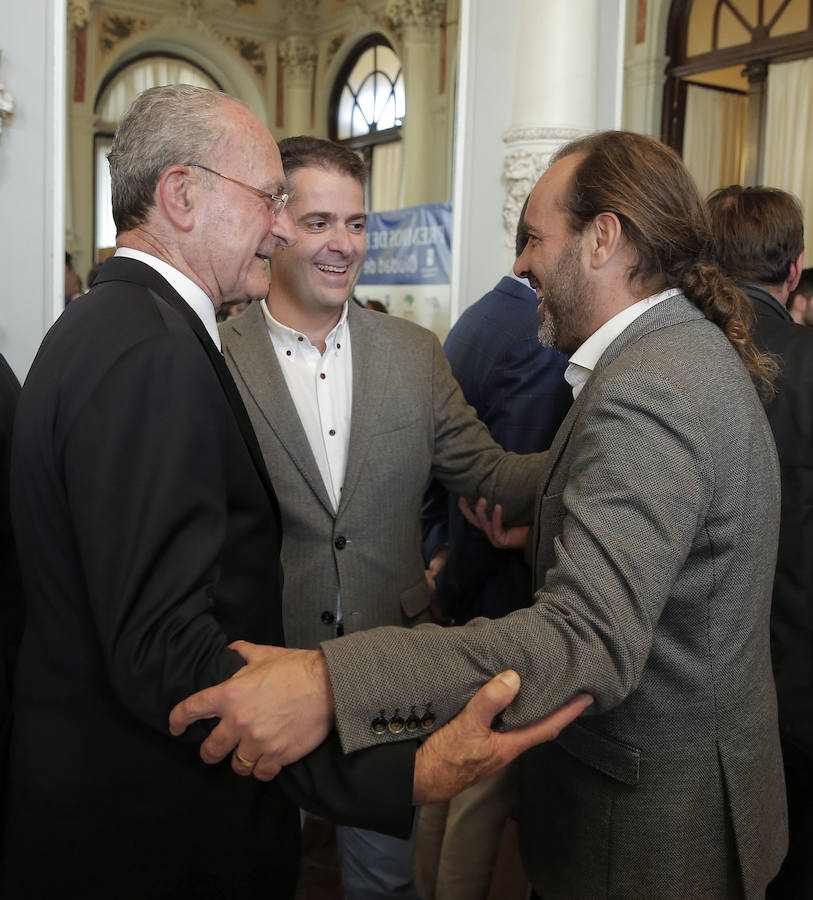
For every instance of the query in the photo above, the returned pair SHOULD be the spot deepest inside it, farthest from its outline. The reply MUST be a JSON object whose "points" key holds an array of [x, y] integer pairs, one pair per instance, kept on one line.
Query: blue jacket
{"points": [[518, 389]]}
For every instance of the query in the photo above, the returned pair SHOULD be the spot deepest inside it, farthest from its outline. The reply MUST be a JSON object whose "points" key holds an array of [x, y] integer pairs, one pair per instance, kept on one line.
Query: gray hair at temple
{"points": [[175, 124]]}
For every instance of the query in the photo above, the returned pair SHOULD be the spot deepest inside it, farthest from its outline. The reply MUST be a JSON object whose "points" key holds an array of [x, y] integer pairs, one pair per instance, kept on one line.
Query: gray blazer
{"points": [[409, 421], [656, 531]]}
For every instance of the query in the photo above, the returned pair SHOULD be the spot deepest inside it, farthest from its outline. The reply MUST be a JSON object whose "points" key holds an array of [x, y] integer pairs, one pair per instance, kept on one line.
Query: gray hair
{"points": [[163, 126]]}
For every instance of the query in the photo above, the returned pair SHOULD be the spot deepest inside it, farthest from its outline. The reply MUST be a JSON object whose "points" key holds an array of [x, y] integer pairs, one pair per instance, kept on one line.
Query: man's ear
{"points": [[605, 239], [176, 197], [795, 272]]}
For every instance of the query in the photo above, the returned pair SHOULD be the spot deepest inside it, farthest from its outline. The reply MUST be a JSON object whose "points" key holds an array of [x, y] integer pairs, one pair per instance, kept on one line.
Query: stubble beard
{"points": [[568, 300]]}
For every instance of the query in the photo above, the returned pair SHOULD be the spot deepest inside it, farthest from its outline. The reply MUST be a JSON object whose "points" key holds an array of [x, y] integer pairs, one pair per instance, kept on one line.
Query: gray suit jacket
{"points": [[655, 542], [409, 420]]}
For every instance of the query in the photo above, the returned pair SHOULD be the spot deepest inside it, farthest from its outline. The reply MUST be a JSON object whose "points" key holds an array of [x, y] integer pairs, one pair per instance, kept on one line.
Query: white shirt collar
{"points": [[586, 357], [195, 296], [291, 339]]}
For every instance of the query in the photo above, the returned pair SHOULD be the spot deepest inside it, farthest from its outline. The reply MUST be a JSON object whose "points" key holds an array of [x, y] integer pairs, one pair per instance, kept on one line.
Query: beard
{"points": [[567, 302]]}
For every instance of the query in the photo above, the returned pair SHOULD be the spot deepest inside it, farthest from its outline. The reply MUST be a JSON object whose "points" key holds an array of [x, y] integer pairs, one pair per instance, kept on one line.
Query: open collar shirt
{"points": [[321, 386], [585, 359]]}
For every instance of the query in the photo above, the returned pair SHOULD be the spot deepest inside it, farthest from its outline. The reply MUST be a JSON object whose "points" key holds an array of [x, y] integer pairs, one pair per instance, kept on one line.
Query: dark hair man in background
{"points": [[353, 412], [759, 236]]}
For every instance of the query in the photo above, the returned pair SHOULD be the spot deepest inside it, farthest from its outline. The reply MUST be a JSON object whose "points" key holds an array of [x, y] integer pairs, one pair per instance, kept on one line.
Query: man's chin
{"points": [[547, 333]]}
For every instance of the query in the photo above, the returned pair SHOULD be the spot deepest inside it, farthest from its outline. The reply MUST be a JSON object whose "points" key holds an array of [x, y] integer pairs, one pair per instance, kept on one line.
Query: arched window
{"points": [[118, 90], [367, 110]]}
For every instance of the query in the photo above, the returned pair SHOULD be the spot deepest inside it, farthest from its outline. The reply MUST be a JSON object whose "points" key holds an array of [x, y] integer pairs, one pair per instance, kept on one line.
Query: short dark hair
{"points": [[758, 232], [309, 152]]}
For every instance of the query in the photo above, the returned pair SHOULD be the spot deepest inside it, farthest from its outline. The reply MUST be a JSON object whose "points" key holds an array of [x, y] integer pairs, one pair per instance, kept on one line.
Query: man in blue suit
{"points": [[518, 389]]}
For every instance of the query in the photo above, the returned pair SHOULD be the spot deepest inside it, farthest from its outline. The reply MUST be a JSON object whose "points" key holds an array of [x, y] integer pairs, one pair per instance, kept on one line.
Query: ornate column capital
{"points": [[419, 18], [6, 103], [79, 13], [528, 152], [299, 57]]}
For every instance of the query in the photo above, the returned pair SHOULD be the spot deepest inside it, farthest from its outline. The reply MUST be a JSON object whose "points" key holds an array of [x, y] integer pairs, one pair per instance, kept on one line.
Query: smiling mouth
{"points": [[339, 270]]}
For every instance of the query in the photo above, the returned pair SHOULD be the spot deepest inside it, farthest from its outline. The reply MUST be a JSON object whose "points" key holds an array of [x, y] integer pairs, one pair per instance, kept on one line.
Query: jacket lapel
{"points": [[135, 272], [669, 312], [370, 349], [248, 347]]}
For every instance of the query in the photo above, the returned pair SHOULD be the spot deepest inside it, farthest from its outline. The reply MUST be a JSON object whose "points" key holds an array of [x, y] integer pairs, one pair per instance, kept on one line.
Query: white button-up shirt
{"points": [[585, 359], [321, 386]]}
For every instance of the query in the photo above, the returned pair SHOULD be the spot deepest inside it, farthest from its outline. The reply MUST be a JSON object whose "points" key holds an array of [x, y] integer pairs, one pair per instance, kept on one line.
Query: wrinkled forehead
{"points": [[250, 146]]}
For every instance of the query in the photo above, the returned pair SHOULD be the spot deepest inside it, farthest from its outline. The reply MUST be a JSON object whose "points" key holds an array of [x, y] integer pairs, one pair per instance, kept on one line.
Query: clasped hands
{"points": [[280, 706]]}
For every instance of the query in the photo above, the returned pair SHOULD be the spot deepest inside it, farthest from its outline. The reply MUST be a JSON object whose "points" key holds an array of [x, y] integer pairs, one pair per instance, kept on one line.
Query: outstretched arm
{"points": [[266, 735]]}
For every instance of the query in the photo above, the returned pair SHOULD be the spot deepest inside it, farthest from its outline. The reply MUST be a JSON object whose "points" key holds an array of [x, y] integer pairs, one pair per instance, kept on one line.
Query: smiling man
{"points": [[354, 410]]}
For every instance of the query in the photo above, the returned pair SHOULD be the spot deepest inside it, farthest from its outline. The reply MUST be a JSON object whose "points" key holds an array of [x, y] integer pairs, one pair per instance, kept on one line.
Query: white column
{"points": [[299, 64], [555, 95], [32, 176], [533, 74], [421, 60]]}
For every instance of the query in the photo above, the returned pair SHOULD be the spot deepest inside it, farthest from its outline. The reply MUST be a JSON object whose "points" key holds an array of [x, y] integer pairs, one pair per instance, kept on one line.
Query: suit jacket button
{"points": [[340, 542], [379, 724], [428, 720], [413, 723], [396, 725], [328, 618]]}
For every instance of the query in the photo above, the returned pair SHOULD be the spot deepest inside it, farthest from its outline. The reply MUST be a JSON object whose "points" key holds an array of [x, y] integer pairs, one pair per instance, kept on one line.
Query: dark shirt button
{"points": [[338, 346], [287, 352], [396, 725], [340, 542], [332, 432], [322, 376], [300, 338], [379, 725], [328, 618]]}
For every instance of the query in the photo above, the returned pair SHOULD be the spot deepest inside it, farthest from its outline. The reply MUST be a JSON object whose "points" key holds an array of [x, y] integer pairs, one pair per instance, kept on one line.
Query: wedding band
{"points": [[248, 763]]}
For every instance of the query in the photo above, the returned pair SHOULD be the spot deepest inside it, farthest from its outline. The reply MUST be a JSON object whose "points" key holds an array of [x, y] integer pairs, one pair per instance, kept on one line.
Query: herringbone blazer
{"points": [[409, 420], [656, 529]]}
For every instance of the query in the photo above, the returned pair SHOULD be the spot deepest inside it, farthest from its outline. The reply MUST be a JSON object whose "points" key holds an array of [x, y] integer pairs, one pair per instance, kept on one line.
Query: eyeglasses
{"points": [[276, 201]]}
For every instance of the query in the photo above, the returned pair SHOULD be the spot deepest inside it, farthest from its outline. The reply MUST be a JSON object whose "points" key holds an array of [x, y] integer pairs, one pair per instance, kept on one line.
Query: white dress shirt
{"points": [[195, 296], [321, 386], [584, 360]]}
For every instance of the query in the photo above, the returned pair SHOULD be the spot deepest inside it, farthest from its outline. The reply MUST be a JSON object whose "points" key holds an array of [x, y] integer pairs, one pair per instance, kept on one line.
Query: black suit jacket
{"points": [[11, 599], [149, 538], [790, 413]]}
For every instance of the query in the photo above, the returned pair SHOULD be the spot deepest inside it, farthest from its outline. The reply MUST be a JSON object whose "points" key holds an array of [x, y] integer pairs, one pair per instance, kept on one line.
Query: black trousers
{"points": [[795, 878]]}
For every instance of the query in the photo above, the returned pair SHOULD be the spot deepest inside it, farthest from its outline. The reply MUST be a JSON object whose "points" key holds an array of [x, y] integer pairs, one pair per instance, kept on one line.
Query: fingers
{"points": [[512, 743], [491, 699], [203, 705]]}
